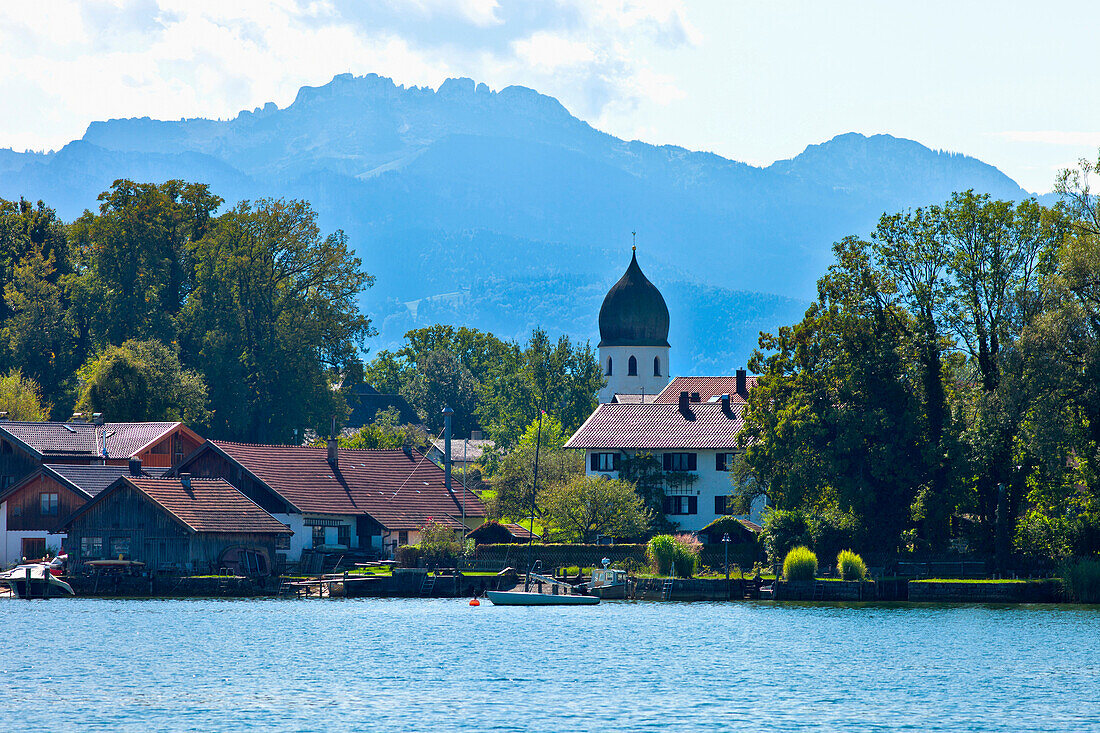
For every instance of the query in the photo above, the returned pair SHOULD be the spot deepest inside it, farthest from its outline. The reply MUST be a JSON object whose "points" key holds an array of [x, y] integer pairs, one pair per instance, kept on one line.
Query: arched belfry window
{"points": [[632, 367], [656, 366], [609, 366]]}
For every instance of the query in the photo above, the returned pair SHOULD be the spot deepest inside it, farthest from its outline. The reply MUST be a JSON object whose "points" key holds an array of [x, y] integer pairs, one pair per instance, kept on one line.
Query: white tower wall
{"points": [[621, 382]]}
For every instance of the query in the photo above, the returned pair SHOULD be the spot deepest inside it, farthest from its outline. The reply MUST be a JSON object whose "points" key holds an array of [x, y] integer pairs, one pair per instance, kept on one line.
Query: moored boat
{"points": [[528, 598], [608, 583], [34, 580]]}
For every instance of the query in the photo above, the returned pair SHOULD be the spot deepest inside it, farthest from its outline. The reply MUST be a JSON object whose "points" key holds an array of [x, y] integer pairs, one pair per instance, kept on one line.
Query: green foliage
{"points": [[674, 553], [646, 473], [800, 563], [588, 507], [514, 476], [384, 433], [20, 397], [142, 380], [784, 530], [442, 546], [1082, 579], [850, 566]]}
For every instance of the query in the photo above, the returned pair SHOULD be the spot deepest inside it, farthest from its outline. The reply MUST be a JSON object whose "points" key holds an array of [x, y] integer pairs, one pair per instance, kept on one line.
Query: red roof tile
{"points": [[86, 440], [707, 387], [657, 426], [399, 491]]}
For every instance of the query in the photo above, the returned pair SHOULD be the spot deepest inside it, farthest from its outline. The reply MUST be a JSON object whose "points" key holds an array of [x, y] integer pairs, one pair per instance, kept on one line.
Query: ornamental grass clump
{"points": [[800, 564], [850, 566], [1082, 580], [668, 554]]}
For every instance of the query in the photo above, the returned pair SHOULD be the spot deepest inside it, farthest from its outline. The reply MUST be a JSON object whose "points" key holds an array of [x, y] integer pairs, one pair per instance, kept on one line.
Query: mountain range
{"points": [[502, 211]]}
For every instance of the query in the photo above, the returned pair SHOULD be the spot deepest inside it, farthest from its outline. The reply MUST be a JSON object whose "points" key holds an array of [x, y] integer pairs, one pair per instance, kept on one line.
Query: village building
{"points": [[175, 524], [493, 532], [465, 452], [689, 426], [33, 508], [366, 402], [335, 499]]}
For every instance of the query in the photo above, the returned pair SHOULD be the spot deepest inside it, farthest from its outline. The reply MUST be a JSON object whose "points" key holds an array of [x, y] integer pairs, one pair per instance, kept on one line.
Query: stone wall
{"points": [[1031, 591]]}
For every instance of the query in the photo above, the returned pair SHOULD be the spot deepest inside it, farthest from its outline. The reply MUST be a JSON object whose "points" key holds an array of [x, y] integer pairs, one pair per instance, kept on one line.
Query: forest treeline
{"points": [[244, 324], [943, 391]]}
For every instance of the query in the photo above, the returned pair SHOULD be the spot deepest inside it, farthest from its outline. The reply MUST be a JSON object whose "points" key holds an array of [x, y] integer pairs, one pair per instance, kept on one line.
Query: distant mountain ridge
{"points": [[501, 210]]}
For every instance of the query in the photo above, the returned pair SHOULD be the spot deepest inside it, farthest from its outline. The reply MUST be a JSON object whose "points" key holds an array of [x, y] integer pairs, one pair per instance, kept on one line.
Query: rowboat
{"points": [[526, 598], [34, 580]]}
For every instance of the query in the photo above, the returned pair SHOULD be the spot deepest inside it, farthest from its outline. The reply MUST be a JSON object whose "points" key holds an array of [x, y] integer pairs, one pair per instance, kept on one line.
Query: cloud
{"points": [[70, 62]]}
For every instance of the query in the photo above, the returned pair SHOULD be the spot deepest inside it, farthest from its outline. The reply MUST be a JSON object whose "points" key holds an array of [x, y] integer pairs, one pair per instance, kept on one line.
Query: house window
{"points": [[91, 547], [721, 505], [318, 536], [723, 461], [680, 461], [120, 547], [50, 503], [177, 449], [343, 535], [656, 366], [604, 462], [282, 541], [402, 537], [609, 366], [681, 505], [33, 547], [632, 367]]}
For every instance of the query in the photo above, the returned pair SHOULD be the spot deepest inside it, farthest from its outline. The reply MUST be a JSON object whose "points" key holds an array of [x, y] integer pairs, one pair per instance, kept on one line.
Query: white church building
{"points": [[690, 424]]}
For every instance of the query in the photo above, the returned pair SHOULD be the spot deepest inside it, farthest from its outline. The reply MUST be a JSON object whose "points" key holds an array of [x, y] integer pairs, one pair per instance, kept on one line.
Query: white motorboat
{"points": [[34, 580], [549, 592]]}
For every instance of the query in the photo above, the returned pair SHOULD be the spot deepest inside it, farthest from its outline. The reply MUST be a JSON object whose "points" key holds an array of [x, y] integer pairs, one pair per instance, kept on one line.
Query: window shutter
{"points": [[615, 461], [719, 461], [595, 461], [693, 505], [719, 505], [692, 464], [667, 457]]}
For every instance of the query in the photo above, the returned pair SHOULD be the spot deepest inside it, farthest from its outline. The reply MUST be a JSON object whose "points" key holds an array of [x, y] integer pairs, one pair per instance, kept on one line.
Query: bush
{"points": [[850, 566], [667, 554], [1081, 579], [832, 531], [784, 530], [800, 564]]}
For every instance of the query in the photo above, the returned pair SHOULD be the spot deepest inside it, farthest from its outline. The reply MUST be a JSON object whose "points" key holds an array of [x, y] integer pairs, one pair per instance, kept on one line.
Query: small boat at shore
{"points": [[34, 580], [608, 582], [549, 592]]}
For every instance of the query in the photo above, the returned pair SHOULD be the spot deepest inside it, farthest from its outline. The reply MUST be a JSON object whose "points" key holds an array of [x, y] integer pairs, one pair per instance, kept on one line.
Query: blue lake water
{"points": [[440, 665]]}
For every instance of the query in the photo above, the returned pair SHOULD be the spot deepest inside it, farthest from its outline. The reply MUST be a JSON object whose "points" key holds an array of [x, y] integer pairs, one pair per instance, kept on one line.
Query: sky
{"points": [[1011, 83]]}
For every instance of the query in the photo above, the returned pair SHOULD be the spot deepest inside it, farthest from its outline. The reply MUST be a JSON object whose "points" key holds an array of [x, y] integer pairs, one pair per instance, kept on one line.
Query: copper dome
{"points": [[633, 312]]}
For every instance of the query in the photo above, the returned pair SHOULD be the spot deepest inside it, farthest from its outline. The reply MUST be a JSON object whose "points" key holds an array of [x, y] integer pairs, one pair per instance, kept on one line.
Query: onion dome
{"points": [[633, 311]]}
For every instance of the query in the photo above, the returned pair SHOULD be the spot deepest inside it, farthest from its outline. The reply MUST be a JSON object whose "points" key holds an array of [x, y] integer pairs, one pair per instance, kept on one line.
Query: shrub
{"points": [[1082, 580], [784, 530], [850, 566], [668, 554], [800, 564], [832, 531]]}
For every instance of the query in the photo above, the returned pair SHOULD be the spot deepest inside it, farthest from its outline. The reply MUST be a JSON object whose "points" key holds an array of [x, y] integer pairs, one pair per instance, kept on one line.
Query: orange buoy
{"points": [[475, 602]]}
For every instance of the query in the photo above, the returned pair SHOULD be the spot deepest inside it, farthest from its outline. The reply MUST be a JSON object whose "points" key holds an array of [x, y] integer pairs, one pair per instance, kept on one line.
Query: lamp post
{"points": [[726, 546]]}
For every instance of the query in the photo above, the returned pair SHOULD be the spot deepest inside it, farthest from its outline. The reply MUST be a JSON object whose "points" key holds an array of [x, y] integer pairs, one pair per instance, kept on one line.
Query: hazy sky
{"points": [[1012, 83]]}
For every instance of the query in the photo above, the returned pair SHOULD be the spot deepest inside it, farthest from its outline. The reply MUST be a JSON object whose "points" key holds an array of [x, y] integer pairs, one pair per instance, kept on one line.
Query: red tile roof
{"points": [[209, 505], [399, 491], [658, 426], [86, 440], [707, 387]]}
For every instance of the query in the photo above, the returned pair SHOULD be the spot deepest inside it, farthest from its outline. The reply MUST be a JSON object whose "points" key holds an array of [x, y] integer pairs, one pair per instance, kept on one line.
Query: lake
{"points": [[411, 665]]}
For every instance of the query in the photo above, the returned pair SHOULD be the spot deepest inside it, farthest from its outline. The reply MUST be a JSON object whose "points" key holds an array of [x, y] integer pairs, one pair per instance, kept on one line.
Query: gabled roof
{"points": [[366, 402], [45, 440], [494, 530], [706, 387], [468, 450], [87, 480], [398, 490], [659, 426], [208, 505], [633, 399]]}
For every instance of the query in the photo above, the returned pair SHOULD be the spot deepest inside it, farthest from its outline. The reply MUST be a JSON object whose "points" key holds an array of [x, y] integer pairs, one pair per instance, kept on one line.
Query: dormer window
{"points": [[632, 367]]}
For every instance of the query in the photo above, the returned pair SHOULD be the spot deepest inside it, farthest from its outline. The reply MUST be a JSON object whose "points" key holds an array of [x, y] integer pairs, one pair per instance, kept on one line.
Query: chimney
{"points": [[78, 417], [185, 479], [333, 454], [726, 404], [684, 397], [742, 383], [135, 467], [407, 449], [695, 397], [97, 418]]}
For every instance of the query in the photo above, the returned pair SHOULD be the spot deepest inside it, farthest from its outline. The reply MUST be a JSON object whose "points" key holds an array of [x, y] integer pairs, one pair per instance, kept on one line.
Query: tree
{"points": [[384, 433], [274, 320], [513, 479], [21, 398], [588, 507], [442, 380], [142, 381]]}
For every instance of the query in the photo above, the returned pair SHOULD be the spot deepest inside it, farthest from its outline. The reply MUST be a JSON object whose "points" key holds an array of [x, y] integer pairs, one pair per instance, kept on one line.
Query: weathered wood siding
{"points": [[154, 537], [169, 451], [25, 505], [15, 464]]}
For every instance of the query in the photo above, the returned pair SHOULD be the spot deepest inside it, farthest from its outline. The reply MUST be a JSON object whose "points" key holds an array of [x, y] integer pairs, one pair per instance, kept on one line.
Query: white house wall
{"points": [[619, 382], [710, 483]]}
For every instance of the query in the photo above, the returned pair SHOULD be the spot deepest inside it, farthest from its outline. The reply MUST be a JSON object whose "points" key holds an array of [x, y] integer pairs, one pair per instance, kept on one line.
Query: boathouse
{"points": [[340, 500], [33, 508], [500, 533], [175, 524]]}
